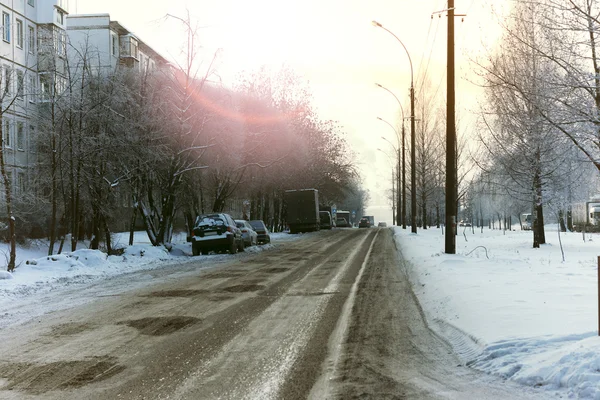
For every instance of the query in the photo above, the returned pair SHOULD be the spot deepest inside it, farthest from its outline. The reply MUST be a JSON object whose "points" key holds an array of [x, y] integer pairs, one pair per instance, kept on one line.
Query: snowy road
{"points": [[328, 316]]}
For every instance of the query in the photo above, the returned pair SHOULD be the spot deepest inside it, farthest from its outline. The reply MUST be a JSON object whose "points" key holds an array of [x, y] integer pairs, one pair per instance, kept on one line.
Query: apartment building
{"points": [[40, 40], [106, 45], [31, 31]]}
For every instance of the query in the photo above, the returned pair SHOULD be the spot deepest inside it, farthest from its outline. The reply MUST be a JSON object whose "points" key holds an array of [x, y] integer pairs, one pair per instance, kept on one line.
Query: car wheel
{"points": [[195, 250], [242, 246], [233, 248], [204, 252]]}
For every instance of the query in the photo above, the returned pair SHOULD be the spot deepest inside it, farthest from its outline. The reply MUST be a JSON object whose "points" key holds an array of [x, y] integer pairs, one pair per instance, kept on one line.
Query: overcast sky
{"points": [[334, 45]]}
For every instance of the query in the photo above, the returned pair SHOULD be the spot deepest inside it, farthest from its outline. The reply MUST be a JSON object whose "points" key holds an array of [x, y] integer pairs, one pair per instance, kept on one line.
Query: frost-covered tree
{"points": [[524, 150]]}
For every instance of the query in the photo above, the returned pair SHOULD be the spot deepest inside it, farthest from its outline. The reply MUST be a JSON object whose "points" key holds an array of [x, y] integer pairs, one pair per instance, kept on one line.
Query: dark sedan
{"points": [[261, 230]]}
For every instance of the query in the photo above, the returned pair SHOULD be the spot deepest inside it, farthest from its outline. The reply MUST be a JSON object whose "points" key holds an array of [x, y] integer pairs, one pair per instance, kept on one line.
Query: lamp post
{"points": [[394, 215], [401, 200], [413, 175], [399, 220]]}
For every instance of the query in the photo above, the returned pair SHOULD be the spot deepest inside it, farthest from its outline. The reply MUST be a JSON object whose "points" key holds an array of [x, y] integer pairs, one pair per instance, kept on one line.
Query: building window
{"points": [[19, 32], [20, 136], [129, 47], [115, 45], [6, 133], [21, 182], [7, 72], [20, 84], [9, 179], [45, 87], [32, 148], [6, 27], [32, 87], [31, 3], [60, 17], [60, 42], [31, 39]]}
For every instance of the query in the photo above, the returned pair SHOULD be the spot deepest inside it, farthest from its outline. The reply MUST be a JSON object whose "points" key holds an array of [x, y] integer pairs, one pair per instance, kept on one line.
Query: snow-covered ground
{"points": [[507, 309], [512, 310]]}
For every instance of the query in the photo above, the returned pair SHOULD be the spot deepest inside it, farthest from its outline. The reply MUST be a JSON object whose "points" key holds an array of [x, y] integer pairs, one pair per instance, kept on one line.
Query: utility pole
{"points": [[403, 180], [451, 175], [413, 163], [394, 212], [398, 193]]}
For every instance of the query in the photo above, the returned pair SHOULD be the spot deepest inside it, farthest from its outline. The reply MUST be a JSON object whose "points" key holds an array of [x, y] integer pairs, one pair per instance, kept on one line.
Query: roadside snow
{"points": [[522, 313], [37, 273]]}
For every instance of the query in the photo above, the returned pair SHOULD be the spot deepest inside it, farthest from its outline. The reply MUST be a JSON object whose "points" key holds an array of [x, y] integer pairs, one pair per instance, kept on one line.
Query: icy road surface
{"points": [[329, 316]]}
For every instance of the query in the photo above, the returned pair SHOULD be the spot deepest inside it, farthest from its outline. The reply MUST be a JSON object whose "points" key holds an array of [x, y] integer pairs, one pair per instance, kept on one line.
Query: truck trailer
{"points": [[343, 219], [586, 216], [302, 207]]}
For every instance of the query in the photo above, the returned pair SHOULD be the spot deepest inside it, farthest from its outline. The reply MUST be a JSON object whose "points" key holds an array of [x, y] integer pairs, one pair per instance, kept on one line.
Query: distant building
{"points": [[106, 44]]}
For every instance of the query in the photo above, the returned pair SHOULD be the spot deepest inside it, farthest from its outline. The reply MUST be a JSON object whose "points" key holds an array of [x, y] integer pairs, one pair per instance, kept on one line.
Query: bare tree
{"points": [[524, 150]]}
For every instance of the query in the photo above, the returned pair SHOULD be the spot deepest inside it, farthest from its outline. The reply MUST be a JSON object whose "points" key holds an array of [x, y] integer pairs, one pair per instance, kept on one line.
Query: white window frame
{"points": [[32, 90], [115, 45], [7, 81], [6, 131], [6, 27], [31, 39], [20, 136], [19, 33], [20, 182], [32, 148], [45, 87], [60, 17], [20, 84], [9, 176]]}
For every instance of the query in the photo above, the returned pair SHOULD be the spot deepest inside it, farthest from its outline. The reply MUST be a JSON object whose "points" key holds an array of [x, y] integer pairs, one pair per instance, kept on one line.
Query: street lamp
{"points": [[413, 176], [394, 215], [401, 201], [399, 220]]}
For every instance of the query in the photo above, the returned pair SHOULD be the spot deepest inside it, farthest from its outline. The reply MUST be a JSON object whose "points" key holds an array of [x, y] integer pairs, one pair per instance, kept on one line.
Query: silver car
{"points": [[248, 234]]}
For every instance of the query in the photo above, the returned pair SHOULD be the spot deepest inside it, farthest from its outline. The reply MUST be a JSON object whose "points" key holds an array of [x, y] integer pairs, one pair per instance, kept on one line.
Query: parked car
{"points": [[216, 232], [250, 236], [261, 230], [364, 223], [382, 225], [326, 220], [342, 223]]}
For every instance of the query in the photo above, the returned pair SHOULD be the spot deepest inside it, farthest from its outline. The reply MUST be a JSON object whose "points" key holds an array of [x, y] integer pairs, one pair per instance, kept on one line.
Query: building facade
{"points": [[27, 26], [105, 45], [41, 46]]}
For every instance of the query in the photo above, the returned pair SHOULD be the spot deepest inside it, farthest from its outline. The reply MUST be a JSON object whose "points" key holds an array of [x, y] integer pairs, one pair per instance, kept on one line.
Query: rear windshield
{"points": [[257, 224], [209, 220]]}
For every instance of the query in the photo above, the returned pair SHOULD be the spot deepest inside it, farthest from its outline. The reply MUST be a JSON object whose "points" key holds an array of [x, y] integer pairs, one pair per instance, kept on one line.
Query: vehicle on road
{"points": [[364, 222], [302, 210], [526, 221], [382, 225], [261, 230], [248, 233], [326, 220], [342, 223], [343, 215], [216, 232], [586, 216]]}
